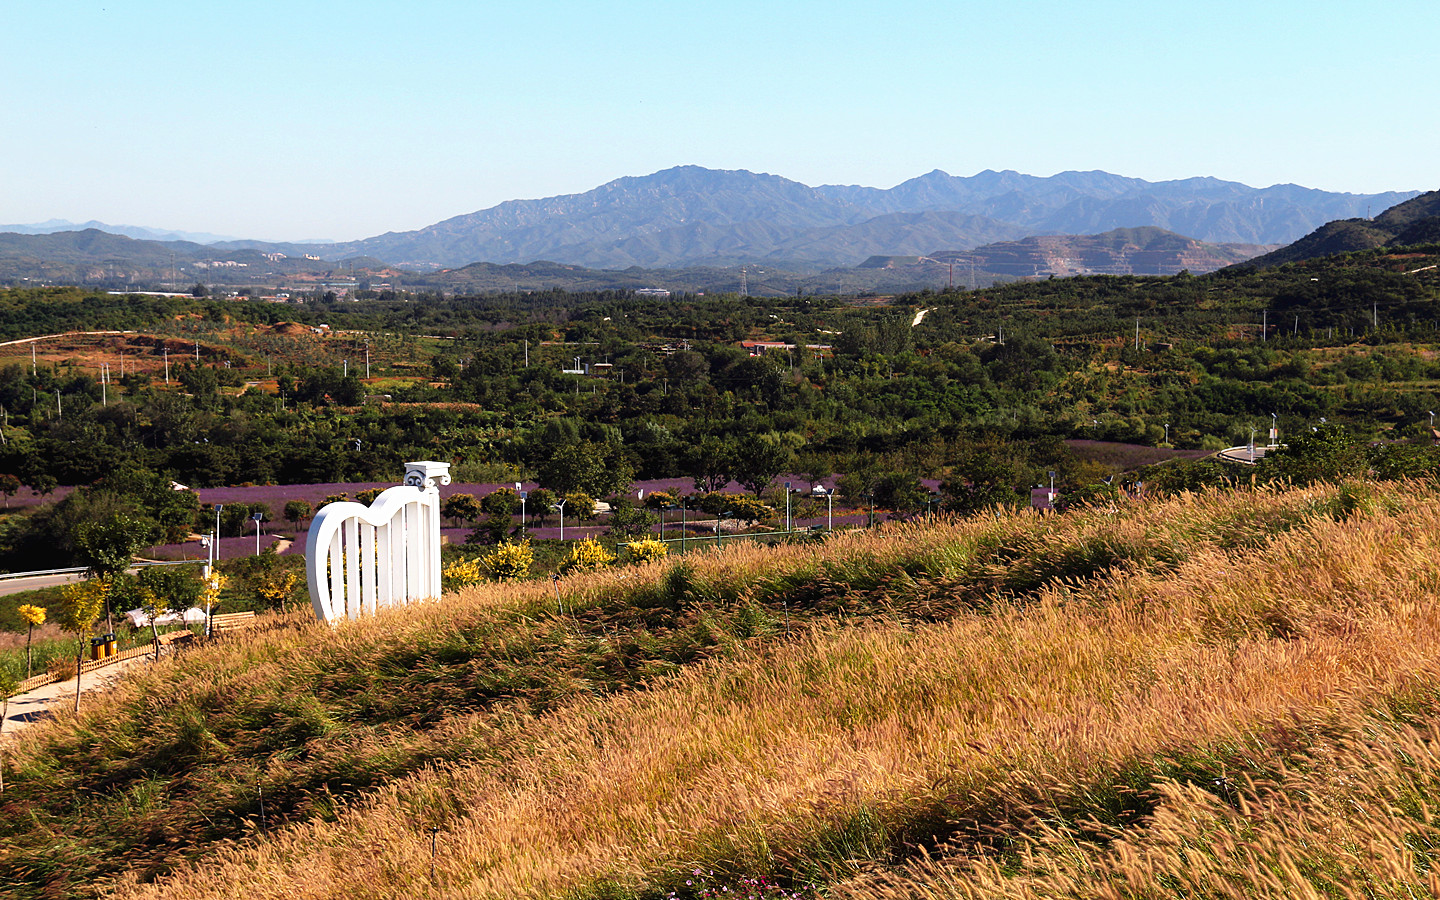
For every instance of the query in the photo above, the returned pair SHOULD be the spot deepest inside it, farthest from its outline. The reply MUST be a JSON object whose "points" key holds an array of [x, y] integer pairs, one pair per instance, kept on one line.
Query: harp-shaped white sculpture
{"points": [[361, 558]]}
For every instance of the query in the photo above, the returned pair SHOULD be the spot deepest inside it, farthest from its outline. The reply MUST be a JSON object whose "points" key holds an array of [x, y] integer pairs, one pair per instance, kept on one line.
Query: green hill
{"points": [[1195, 691], [1416, 221]]}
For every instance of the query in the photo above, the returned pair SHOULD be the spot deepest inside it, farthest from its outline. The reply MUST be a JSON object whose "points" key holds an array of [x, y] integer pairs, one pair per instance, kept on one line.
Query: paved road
{"points": [[16, 585], [58, 698]]}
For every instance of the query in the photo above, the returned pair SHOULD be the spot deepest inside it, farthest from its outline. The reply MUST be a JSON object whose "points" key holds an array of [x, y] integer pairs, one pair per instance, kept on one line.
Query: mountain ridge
{"points": [[651, 219], [691, 215], [1412, 221]]}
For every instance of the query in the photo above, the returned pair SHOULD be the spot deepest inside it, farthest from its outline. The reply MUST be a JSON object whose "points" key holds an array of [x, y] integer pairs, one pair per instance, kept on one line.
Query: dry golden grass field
{"points": [[1220, 695]]}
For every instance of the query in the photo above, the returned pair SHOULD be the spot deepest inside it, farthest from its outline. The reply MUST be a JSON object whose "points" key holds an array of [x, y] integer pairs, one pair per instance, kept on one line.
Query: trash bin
{"points": [[97, 648], [112, 646]]}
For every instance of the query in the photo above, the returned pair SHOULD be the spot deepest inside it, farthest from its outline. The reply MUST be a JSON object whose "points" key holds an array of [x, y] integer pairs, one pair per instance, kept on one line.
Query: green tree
{"points": [[107, 549], [901, 493], [590, 467], [627, 520], [501, 502], [9, 486], [541, 503], [747, 509], [1326, 453], [984, 479], [756, 461], [295, 511], [710, 463], [461, 508], [579, 505]]}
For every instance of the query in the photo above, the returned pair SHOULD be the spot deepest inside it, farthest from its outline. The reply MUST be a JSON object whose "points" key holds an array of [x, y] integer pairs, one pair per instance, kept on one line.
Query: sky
{"points": [[326, 120]]}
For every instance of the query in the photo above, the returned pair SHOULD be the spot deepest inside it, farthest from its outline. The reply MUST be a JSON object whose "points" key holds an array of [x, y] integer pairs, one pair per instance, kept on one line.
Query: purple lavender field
{"points": [[291, 542]]}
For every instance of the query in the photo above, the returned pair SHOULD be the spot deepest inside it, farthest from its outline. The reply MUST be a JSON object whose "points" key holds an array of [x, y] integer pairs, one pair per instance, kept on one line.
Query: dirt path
{"points": [[58, 698]]}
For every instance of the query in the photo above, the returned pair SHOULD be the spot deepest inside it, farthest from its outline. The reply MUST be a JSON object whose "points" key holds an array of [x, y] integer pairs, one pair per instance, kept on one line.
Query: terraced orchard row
{"points": [[1143, 700]]}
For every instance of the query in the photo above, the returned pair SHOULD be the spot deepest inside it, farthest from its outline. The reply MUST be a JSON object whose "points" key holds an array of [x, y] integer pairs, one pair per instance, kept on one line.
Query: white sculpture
{"points": [[359, 559]]}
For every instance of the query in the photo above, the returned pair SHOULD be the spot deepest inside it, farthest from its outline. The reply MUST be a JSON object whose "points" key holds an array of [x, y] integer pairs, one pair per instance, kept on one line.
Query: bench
{"points": [[237, 621]]}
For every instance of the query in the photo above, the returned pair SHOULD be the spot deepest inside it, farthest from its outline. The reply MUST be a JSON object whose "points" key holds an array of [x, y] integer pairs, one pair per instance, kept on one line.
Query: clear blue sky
{"points": [[343, 120]]}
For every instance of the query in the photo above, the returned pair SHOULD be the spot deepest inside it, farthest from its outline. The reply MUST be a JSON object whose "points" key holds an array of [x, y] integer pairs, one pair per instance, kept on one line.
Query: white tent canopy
{"points": [[192, 616]]}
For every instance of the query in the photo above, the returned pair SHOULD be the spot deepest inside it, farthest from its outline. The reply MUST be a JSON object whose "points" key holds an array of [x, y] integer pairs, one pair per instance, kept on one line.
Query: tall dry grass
{"points": [[1352, 817], [1213, 638]]}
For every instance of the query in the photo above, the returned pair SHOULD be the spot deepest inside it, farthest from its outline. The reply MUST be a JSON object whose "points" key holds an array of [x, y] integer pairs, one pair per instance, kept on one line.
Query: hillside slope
{"points": [[1415, 221], [814, 714]]}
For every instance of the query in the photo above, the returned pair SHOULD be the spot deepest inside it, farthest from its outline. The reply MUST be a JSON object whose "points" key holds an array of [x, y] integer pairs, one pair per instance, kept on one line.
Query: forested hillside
{"points": [[862, 384]]}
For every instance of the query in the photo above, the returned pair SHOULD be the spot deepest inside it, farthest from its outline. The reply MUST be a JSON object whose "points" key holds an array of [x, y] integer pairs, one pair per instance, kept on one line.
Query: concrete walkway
{"points": [[58, 698]]}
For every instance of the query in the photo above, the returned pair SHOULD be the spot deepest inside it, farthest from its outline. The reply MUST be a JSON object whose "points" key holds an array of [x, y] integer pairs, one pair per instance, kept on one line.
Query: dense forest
{"points": [[968, 386]]}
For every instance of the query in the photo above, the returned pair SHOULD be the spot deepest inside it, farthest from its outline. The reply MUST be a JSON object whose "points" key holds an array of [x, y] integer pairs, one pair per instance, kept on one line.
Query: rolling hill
{"points": [[1415, 221]]}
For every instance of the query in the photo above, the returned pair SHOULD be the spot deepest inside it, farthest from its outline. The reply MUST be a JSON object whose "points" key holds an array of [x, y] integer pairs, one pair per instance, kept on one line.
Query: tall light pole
{"points": [[1167, 432], [257, 517], [1052, 489], [560, 507], [218, 507], [523, 495], [788, 526]]}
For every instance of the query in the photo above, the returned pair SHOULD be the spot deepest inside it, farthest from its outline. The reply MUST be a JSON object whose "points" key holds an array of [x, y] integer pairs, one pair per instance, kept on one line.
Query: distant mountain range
{"points": [[1416, 221], [54, 226], [707, 221], [689, 216]]}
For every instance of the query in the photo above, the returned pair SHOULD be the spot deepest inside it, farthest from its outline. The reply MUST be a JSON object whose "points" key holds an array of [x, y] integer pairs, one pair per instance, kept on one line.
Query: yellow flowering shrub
{"points": [[587, 556], [461, 573], [509, 561], [647, 550]]}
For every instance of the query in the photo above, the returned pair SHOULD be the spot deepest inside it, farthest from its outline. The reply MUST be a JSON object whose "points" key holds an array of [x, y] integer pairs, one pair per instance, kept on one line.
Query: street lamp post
{"points": [[830, 510], [560, 507], [257, 517], [788, 526], [1167, 433], [218, 507], [523, 495]]}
